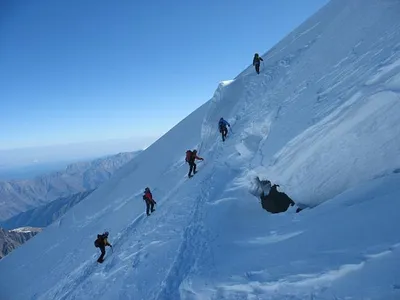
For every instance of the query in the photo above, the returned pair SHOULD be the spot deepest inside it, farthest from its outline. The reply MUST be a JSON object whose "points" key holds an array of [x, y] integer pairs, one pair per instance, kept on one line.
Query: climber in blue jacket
{"points": [[222, 128]]}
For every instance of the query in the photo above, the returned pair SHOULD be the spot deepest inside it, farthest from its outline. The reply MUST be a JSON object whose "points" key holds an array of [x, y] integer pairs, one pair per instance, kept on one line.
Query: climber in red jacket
{"points": [[148, 197]]}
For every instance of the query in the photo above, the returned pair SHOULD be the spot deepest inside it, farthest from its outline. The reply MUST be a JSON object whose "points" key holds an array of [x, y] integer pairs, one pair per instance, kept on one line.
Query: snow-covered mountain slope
{"points": [[44, 215], [21, 195], [11, 239], [321, 120]]}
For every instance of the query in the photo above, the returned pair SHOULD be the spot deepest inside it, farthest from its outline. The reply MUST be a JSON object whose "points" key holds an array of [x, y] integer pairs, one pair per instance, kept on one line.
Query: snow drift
{"points": [[321, 120]]}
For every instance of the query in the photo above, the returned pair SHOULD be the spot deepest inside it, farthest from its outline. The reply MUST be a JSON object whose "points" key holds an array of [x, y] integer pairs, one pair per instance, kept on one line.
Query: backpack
{"points": [[189, 154], [97, 241]]}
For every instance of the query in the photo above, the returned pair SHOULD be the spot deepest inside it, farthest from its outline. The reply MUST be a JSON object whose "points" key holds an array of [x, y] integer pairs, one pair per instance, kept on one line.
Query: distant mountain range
{"points": [[51, 196], [18, 196], [44, 215], [11, 239]]}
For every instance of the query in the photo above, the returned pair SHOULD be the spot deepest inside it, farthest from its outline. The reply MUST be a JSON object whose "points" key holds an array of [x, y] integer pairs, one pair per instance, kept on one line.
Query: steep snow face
{"points": [[320, 120], [323, 113]]}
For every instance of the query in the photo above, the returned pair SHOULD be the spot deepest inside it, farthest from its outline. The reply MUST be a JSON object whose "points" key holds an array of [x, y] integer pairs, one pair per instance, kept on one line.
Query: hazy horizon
{"points": [[76, 85], [30, 156]]}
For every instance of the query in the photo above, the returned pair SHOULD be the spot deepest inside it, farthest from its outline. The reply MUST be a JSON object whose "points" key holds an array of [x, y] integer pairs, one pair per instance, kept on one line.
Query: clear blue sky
{"points": [[77, 71]]}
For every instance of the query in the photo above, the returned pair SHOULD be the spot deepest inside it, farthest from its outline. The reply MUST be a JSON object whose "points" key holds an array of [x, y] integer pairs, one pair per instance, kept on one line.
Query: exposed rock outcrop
{"points": [[11, 239]]}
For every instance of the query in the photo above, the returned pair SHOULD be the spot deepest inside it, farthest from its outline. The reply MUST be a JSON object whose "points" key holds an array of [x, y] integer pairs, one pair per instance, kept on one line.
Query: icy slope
{"points": [[324, 112], [321, 120], [65, 248]]}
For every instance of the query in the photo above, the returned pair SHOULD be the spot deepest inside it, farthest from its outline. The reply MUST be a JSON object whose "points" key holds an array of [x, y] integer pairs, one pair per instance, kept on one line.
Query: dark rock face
{"points": [[272, 200], [11, 239], [276, 202]]}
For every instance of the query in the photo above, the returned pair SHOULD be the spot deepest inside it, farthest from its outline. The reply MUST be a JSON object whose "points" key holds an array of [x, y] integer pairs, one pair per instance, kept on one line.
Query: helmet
{"points": [[194, 151], [147, 189], [106, 233], [256, 54]]}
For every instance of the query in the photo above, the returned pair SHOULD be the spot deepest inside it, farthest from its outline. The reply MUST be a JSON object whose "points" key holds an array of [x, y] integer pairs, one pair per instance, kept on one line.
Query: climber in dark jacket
{"points": [[191, 156], [256, 62], [222, 128], [101, 242]]}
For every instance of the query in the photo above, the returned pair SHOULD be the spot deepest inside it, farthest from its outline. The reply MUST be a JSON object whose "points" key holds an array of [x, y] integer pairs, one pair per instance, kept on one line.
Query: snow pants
{"points": [[192, 168], [149, 206], [103, 252], [224, 132]]}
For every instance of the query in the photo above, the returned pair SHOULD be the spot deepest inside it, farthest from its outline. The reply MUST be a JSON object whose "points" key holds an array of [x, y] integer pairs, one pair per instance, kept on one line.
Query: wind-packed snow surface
{"points": [[321, 120]]}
